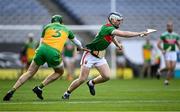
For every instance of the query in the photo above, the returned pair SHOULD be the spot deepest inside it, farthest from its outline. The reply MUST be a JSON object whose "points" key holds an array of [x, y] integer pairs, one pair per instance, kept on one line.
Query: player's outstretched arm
{"points": [[128, 34], [77, 43], [159, 46]]}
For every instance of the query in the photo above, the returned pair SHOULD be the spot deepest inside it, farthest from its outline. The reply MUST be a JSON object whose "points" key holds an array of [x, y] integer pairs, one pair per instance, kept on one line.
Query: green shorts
{"points": [[147, 61], [45, 53]]}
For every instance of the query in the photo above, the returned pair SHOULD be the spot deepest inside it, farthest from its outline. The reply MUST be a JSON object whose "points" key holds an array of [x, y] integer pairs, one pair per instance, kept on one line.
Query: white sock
{"points": [[67, 93], [39, 88], [91, 83], [166, 81]]}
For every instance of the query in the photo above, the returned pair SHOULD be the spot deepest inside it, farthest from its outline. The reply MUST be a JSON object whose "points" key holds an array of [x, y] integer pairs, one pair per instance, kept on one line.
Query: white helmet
{"points": [[116, 16]]}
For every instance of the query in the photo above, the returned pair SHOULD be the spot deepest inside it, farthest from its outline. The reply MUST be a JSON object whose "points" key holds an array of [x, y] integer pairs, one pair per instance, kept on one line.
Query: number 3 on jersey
{"points": [[57, 33]]}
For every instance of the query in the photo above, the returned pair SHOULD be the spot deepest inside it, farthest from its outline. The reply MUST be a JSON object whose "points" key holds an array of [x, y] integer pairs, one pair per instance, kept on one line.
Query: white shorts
{"points": [[89, 60], [171, 56]]}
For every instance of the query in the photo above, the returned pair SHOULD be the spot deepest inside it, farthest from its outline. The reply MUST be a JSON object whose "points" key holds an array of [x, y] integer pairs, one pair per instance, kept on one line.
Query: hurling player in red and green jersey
{"points": [[95, 57], [54, 36], [69, 57], [170, 40]]}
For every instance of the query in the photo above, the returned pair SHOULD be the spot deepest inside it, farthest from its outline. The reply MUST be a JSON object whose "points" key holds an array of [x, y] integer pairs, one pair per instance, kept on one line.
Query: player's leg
{"points": [[160, 70], [54, 60], [144, 68], [58, 72], [51, 78], [76, 83], [168, 67], [149, 70], [171, 67], [69, 66], [171, 63], [24, 77], [72, 69], [86, 63], [104, 76]]}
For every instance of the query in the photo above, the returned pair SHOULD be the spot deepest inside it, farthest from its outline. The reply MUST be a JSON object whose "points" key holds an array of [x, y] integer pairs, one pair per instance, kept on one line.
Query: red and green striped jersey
{"points": [[169, 40], [102, 39], [69, 49]]}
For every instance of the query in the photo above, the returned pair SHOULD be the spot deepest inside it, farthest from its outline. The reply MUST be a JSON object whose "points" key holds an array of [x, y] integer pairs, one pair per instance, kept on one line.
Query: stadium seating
{"points": [[138, 14], [21, 12]]}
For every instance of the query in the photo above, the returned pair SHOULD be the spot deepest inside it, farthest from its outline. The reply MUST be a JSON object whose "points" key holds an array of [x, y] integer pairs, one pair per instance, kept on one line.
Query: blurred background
{"points": [[24, 19]]}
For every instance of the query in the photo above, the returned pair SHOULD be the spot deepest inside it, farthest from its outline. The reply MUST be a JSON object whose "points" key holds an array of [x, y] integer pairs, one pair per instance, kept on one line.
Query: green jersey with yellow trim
{"points": [[147, 47], [55, 35], [169, 40], [102, 39], [30, 49]]}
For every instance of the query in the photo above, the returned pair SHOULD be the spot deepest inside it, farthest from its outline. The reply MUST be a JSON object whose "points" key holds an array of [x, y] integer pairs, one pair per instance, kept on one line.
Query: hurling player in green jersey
{"points": [[147, 55], [28, 52], [95, 57], [169, 39], [54, 36]]}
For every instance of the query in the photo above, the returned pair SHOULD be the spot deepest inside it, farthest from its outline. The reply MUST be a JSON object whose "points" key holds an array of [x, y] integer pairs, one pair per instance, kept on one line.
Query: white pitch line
{"points": [[149, 90], [93, 102], [127, 101]]}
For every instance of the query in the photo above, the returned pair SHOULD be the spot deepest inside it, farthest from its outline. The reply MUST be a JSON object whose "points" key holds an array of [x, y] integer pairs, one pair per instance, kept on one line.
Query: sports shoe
{"points": [[158, 74], [91, 88], [66, 96], [8, 96], [38, 92], [166, 82]]}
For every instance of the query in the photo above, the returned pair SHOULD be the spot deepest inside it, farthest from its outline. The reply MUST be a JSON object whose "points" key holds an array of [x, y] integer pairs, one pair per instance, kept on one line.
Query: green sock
{"points": [[41, 85]]}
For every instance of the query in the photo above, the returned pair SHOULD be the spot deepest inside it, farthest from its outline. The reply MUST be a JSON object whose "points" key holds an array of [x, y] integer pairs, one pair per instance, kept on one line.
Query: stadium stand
{"points": [[21, 12], [139, 14]]}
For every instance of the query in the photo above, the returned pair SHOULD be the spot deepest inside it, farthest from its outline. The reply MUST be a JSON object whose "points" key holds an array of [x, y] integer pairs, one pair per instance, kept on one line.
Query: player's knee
{"points": [[106, 78], [82, 80], [59, 71]]}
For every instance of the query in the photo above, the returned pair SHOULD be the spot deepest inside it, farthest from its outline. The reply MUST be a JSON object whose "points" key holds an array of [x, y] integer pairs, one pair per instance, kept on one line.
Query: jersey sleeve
{"points": [[71, 35], [109, 30]]}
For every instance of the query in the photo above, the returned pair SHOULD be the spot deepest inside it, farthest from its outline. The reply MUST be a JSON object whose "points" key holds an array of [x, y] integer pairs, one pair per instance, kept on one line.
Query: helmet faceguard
{"points": [[116, 16], [56, 18]]}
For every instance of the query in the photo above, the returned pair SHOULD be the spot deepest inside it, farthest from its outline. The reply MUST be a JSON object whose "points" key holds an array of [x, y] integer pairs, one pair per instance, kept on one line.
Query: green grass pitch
{"points": [[115, 95]]}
